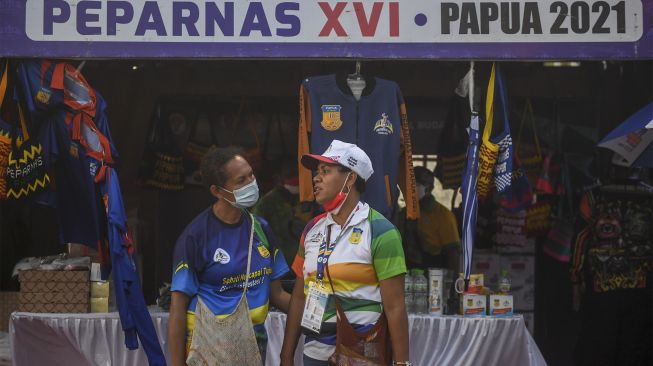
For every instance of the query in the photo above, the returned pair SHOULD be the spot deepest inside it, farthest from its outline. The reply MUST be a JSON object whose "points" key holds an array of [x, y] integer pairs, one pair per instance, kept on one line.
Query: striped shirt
{"points": [[367, 250]]}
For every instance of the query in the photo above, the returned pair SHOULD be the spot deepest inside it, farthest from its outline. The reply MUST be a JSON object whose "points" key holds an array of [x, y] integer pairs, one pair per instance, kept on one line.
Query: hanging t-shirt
{"points": [[615, 249], [367, 250], [210, 261], [377, 123]]}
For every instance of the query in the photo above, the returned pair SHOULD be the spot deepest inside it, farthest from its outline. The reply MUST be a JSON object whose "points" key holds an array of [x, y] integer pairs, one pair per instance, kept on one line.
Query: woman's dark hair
{"points": [[360, 182], [213, 162]]}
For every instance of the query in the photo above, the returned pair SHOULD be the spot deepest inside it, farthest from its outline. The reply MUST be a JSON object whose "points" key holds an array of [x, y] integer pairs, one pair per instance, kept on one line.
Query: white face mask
{"points": [[421, 191], [245, 196]]}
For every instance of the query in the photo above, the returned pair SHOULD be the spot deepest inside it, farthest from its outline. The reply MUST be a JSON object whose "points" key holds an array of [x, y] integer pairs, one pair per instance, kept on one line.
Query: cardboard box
{"points": [[54, 308], [521, 270], [501, 305], [53, 276], [99, 305], [100, 289], [54, 291], [55, 287], [53, 298], [473, 305], [81, 250], [8, 304], [528, 248]]}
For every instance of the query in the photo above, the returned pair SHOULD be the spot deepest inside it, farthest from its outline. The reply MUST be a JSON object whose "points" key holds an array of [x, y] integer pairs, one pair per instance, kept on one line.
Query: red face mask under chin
{"points": [[335, 204]]}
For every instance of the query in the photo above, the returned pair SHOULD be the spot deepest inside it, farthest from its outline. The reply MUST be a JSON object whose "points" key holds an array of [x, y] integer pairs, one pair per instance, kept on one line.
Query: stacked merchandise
{"points": [[62, 156], [54, 291]]}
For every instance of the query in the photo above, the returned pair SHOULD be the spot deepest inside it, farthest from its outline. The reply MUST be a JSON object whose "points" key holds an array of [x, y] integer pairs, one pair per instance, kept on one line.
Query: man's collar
{"points": [[357, 215]]}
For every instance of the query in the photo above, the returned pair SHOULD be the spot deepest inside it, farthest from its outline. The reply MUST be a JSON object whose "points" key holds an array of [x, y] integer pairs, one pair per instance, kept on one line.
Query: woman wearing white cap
{"points": [[350, 261]]}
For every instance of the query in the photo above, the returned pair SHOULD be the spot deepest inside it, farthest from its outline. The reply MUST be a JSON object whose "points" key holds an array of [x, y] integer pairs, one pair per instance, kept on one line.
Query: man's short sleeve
{"points": [[184, 272], [387, 252]]}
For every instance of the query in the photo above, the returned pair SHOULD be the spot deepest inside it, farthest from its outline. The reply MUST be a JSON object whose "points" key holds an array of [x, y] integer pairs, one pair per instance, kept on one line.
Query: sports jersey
{"points": [[74, 194], [367, 250], [377, 124], [134, 316], [210, 261]]}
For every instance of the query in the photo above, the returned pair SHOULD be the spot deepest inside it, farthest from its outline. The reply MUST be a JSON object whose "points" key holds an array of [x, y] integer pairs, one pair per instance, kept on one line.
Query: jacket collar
{"points": [[341, 82]]}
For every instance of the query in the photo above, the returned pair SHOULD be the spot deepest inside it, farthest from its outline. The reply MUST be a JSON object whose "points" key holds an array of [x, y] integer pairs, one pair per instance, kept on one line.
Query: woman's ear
{"points": [[351, 181], [215, 191]]}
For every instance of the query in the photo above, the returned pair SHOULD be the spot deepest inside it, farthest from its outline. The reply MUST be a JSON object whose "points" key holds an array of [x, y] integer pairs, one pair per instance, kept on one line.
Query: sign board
{"points": [[387, 29]]}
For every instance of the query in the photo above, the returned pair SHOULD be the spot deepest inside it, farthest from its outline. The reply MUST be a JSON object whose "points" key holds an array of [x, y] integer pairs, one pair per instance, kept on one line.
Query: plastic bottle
{"points": [[409, 295], [421, 290], [504, 283]]}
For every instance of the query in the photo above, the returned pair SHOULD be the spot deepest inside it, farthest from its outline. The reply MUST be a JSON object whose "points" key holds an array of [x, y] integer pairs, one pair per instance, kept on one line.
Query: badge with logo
{"points": [[265, 253], [356, 236], [221, 256], [331, 117], [316, 238], [384, 126], [43, 96], [74, 150]]}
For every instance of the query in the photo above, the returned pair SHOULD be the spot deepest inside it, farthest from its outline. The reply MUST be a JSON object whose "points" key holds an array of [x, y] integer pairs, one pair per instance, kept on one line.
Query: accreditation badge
{"points": [[314, 307]]}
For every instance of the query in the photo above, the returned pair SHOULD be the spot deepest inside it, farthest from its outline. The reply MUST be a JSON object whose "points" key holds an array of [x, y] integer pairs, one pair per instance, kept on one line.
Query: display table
{"points": [[97, 339]]}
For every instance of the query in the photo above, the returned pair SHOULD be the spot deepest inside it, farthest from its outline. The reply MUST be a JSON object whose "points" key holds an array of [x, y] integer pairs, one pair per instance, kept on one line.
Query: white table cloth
{"points": [[98, 340]]}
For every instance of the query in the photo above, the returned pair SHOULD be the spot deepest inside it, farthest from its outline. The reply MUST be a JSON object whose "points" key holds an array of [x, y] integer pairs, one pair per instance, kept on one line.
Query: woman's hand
{"points": [[392, 297], [177, 328]]}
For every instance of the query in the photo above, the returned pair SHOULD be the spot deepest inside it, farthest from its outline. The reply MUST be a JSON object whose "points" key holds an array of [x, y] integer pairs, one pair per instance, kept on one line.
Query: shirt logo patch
{"points": [[316, 238], [74, 150], [221, 256], [265, 253], [384, 125], [43, 96], [356, 236], [331, 117]]}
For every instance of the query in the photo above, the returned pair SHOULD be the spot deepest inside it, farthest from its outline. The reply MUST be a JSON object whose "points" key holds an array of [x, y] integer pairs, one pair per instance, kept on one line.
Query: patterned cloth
{"points": [[367, 250], [616, 247]]}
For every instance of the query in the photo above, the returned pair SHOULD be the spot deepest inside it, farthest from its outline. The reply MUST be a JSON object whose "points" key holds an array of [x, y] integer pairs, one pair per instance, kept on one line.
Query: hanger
{"points": [[356, 76]]}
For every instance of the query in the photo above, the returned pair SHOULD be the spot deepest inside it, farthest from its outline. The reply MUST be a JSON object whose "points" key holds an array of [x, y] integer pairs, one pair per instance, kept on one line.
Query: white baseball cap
{"points": [[345, 154]]}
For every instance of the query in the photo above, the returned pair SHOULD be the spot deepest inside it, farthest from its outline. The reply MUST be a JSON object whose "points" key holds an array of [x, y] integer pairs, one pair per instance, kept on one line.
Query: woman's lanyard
{"points": [[327, 248]]}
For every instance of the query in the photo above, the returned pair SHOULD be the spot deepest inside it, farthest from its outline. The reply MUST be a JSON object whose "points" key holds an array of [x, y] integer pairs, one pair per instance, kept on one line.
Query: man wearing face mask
{"points": [[435, 240], [214, 253], [352, 253]]}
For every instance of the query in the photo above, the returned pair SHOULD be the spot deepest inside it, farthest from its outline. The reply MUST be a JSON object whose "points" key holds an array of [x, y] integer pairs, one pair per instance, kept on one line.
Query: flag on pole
{"points": [[470, 177]]}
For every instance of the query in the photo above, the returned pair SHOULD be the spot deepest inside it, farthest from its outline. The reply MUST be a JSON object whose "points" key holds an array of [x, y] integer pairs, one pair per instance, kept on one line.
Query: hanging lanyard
{"points": [[326, 248]]}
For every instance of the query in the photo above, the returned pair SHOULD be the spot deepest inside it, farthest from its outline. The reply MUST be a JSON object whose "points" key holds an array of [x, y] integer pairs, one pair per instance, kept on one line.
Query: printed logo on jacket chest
{"points": [[384, 126], [331, 117]]}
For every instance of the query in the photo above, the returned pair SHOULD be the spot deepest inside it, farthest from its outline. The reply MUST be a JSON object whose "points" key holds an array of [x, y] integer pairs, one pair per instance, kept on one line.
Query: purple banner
{"points": [[377, 29]]}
